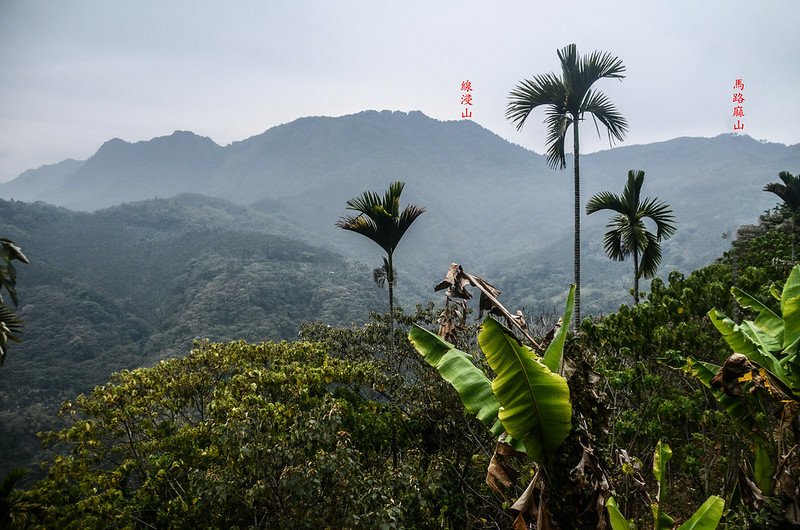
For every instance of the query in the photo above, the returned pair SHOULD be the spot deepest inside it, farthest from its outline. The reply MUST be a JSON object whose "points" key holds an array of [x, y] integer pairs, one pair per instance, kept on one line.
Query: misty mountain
{"points": [[493, 206]]}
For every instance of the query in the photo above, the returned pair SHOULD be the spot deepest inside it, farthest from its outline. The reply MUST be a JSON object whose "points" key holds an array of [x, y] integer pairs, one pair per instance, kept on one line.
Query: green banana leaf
{"points": [[455, 367], [534, 402], [707, 516], [790, 307], [555, 350], [660, 458], [763, 340], [766, 320], [744, 339], [730, 332], [618, 521]]}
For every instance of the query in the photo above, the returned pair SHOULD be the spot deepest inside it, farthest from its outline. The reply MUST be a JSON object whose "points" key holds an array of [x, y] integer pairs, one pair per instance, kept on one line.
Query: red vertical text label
{"points": [[466, 98], [738, 109]]}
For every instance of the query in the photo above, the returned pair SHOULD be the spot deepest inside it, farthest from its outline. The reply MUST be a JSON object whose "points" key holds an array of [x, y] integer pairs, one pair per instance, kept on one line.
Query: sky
{"points": [[74, 74]]}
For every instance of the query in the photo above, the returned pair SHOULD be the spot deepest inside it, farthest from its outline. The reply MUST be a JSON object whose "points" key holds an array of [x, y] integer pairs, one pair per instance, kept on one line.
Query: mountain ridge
{"points": [[487, 199]]}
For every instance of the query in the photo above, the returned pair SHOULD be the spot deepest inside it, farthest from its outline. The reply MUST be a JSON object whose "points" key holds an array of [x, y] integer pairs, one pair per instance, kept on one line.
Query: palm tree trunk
{"points": [[390, 279], [577, 251], [794, 232], [635, 277]]}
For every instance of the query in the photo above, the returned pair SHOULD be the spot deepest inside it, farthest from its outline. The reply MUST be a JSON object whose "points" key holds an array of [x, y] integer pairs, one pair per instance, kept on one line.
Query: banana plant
{"points": [[527, 404], [760, 380], [705, 518], [528, 399]]}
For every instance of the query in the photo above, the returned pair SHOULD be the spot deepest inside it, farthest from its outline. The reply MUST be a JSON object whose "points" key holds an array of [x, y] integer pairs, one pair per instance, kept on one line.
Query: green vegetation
{"points": [[339, 434], [527, 404], [761, 381], [705, 518], [382, 221], [271, 435], [568, 98], [627, 234]]}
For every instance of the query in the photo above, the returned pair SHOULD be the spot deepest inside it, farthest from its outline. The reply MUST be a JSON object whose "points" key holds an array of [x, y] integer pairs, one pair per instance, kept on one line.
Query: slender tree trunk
{"points": [[794, 231], [735, 278], [390, 279], [577, 252], [635, 277]]}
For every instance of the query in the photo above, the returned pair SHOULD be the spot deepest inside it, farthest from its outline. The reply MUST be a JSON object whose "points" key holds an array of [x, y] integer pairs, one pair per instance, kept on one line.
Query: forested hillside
{"points": [[127, 286]]}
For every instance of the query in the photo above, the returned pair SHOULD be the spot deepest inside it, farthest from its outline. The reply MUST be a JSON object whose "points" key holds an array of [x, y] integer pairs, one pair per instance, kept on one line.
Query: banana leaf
{"points": [[766, 320], [554, 354], [790, 307], [707, 516], [534, 402], [660, 458], [763, 468], [618, 521], [705, 372], [456, 367], [745, 340]]}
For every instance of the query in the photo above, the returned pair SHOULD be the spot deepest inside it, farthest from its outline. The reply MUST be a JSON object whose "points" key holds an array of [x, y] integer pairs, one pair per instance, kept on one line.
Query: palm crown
{"points": [[789, 192], [380, 219], [568, 97], [627, 234]]}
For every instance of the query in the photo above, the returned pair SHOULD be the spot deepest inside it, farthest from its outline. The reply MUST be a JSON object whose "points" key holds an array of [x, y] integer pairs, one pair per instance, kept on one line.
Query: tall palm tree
{"points": [[789, 192], [567, 98], [627, 232], [381, 220]]}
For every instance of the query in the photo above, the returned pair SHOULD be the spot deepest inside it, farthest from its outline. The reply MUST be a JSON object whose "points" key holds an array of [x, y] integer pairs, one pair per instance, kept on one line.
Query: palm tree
{"points": [[381, 220], [567, 98], [627, 232], [10, 324], [789, 192]]}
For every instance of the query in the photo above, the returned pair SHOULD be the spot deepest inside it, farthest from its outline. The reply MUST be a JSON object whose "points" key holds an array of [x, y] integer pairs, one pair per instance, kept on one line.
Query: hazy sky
{"points": [[74, 74]]}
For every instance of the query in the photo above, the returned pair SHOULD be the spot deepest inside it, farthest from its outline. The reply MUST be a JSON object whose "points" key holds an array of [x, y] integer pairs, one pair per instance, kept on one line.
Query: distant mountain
{"points": [[39, 184], [492, 205], [126, 286]]}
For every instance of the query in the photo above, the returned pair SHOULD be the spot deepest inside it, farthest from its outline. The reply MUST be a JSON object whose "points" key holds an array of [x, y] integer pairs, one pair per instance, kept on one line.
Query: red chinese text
{"points": [[466, 98]]}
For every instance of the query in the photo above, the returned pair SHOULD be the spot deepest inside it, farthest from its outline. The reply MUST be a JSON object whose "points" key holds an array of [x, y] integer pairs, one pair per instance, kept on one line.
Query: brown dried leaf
{"points": [[501, 472], [453, 319], [456, 282], [552, 333], [519, 523], [498, 477]]}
